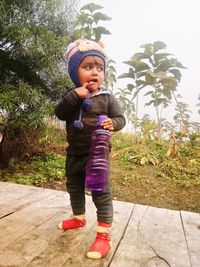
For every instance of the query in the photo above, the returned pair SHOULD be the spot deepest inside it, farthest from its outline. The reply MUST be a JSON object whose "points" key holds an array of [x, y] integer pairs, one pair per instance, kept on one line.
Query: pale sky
{"points": [[175, 22]]}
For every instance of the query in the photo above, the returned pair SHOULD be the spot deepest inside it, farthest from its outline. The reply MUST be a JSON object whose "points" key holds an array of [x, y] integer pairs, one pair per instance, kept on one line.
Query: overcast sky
{"points": [[175, 22]]}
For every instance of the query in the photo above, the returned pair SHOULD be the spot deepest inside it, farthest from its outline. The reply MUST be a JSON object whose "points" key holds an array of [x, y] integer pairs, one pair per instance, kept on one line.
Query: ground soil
{"points": [[141, 185]]}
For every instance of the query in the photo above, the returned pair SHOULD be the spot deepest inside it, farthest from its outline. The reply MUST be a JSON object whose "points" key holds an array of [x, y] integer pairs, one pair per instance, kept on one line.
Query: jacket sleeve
{"points": [[116, 114], [67, 105]]}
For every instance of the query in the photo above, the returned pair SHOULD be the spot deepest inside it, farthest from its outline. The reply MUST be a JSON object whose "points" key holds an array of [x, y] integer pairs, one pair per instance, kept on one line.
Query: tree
{"points": [[32, 41], [33, 38], [156, 70]]}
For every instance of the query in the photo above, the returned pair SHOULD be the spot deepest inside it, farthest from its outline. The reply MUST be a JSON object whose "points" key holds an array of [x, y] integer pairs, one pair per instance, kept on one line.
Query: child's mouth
{"points": [[93, 81]]}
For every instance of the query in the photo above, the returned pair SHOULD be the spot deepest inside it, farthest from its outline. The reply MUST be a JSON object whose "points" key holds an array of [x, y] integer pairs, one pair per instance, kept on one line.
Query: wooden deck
{"points": [[142, 236]]}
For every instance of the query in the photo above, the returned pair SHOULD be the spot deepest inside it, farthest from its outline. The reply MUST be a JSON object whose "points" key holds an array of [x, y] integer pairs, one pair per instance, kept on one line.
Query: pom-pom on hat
{"points": [[77, 51]]}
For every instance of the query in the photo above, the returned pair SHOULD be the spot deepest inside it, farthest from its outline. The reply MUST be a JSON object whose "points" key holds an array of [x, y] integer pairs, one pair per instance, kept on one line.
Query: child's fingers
{"points": [[85, 85], [82, 91], [108, 127], [108, 121], [107, 124]]}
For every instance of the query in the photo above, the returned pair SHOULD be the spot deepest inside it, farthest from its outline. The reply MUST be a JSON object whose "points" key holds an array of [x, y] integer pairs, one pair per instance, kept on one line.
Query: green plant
{"points": [[88, 20], [156, 70], [87, 26], [40, 170]]}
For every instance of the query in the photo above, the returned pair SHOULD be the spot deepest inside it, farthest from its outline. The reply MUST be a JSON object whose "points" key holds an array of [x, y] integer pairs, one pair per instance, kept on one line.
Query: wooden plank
{"points": [[4, 185], [30, 245], [10, 205], [12, 195], [66, 243], [11, 191], [191, 224], [30, 217], [121, 217], [154, 237], [14, 188]]}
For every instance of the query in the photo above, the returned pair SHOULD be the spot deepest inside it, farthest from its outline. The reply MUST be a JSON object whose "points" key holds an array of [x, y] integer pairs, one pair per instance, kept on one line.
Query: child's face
{"points": [[91, 70]]}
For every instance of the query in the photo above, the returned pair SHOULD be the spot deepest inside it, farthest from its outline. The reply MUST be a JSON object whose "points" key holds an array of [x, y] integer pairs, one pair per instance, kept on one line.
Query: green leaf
{"points": [[167, 91], [112, 68], [149, 79], [127, 75], [138, 56], [102, 30], [161, 56], [169, 81], [138, 90], [150, 103], [131, 63], [98, 31], [83, 18], [149, 93], [110, 61], [140, 82], [100, 16], [123, 75], [130, 74], [177, 74], [148, 52], [160, 101], [141, 66], [158, 45], [140, 74], [179, 65], [91, 7], [130, 86], [164, 66], [159, 74]]}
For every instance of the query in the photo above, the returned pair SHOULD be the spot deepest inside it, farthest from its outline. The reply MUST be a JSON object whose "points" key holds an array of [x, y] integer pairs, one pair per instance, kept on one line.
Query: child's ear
{"points": [[101, 44]]}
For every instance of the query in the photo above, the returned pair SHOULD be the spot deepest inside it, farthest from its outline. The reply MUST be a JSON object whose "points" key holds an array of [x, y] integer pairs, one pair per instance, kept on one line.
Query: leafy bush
{"points": [[38, 171], [184, 169]]}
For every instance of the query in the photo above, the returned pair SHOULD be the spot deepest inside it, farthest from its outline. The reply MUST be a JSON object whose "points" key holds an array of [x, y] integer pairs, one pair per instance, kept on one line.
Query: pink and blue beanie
{"points": [[77, 51]]}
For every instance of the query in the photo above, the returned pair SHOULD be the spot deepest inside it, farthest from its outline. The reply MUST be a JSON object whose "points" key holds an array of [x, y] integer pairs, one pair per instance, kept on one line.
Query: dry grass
{"points": [[140, 184], [174, 183]]}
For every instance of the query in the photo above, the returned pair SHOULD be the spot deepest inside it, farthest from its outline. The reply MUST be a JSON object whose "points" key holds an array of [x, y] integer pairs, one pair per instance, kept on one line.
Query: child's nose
{"points": [[95, 70]]}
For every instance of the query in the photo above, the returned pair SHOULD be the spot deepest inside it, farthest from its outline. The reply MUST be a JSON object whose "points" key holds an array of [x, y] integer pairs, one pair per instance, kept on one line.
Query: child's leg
{"points": [[102, 243], [104, 204], [76, 189]]}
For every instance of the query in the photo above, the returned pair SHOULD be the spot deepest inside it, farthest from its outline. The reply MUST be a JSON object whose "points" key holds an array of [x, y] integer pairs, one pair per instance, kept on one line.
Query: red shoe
{"points": [[102, 243], [73, 223]]}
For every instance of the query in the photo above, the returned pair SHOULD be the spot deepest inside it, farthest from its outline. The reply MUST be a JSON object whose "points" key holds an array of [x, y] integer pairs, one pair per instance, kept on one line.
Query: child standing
{"points": [[80, 107]]}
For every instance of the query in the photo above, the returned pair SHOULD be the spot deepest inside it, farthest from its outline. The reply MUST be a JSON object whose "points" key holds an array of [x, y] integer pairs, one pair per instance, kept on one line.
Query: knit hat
{"points": [[77, 51]]}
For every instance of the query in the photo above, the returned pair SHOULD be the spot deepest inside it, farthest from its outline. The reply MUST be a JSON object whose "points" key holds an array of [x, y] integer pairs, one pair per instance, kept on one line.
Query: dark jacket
{"points": [[68, 110]]}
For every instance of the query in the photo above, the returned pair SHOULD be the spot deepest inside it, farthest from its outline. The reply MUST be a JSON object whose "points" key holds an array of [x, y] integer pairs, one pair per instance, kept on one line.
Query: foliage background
{"points": [[157, 164]]}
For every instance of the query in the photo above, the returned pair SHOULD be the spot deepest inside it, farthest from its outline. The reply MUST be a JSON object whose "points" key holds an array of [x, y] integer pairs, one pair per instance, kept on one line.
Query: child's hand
{"points": [[108, 124], [82, 91]]}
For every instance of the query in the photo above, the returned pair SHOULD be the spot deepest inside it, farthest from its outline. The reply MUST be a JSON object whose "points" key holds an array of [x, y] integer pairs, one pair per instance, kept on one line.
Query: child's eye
{"points": [[100, 68], [87, 67]]}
